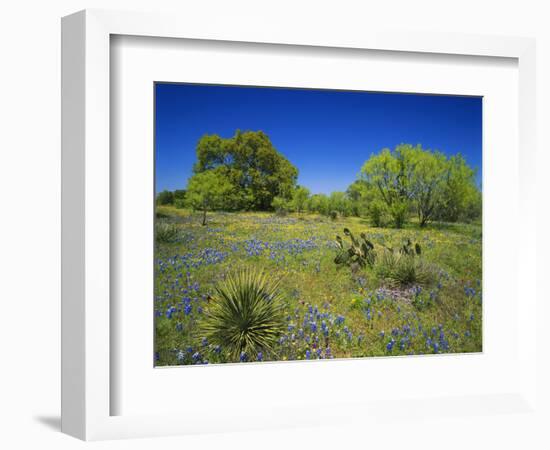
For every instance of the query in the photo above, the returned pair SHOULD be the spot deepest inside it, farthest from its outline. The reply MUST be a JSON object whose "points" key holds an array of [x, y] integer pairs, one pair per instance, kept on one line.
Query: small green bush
{"points": [[180, 203], [376, 212], [399, 212], [245, 315]]}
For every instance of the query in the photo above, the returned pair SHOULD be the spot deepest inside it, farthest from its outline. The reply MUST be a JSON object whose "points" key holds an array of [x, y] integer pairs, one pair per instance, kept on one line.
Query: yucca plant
{"points": [[166, 232], [245, 315], [403, 269]]}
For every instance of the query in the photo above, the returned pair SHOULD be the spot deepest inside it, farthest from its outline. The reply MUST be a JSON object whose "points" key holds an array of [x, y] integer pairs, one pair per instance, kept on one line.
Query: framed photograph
{"points": [[294, 218]]}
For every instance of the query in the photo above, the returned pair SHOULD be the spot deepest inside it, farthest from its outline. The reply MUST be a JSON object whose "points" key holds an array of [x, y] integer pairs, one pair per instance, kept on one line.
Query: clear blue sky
{"points": [[326, 134]]}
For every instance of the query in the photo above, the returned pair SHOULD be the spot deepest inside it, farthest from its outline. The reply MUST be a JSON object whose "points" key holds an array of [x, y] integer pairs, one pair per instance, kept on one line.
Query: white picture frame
{"points": [[87, 385]]}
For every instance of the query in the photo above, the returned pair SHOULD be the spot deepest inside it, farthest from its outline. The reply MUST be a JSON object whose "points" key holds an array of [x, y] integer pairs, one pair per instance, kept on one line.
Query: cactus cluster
{"points": [[408, 249], [359, 254]]}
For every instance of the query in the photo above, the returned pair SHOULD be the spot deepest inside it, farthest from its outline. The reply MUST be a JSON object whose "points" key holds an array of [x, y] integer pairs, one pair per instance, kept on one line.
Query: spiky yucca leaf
{"points": [[245, 314], [402, 270]]}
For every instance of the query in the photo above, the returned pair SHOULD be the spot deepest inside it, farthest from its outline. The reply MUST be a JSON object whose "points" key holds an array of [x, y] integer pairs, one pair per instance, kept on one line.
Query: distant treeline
{"points": [[246, 173]]}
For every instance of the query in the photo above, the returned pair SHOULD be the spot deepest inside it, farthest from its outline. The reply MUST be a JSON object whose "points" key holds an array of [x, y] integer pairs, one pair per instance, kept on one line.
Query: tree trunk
{"points": [[204, 217]]}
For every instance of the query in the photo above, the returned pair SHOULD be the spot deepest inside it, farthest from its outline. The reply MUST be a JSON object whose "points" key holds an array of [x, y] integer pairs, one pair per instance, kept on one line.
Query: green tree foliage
{"points": [[357, 194], [165, 198], [319, 203], [410, 178], [376, 212], [461, 198], [427, 172], [179, 198], [300, 196], [340, 203], [280, 205], [251, 164], [207, 191]]}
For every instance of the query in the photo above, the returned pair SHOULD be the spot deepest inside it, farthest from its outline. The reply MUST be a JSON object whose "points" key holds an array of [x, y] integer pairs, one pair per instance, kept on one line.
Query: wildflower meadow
{"points": [[260, 255]]}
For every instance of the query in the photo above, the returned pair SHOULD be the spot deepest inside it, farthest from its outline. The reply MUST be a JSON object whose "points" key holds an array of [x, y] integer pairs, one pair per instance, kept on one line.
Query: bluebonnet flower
{"points": [[187, 309], [339, 320], [313, 326], [204, 342], [260, 356], [389, 346], [196, 356], [382, 334], [170, 311], [308, 354], [243, 357], [368, 314]]}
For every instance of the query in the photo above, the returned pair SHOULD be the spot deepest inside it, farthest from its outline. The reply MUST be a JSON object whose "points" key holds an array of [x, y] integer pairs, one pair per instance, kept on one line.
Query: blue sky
{"points": [[326, 134]]}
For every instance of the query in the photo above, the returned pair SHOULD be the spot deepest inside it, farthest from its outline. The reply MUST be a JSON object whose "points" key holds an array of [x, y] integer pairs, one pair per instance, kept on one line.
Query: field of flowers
{"points": [[331, 311]]}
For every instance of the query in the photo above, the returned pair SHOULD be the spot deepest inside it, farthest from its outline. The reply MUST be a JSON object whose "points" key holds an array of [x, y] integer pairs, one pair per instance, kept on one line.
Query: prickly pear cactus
{"points": [[359, 254]]}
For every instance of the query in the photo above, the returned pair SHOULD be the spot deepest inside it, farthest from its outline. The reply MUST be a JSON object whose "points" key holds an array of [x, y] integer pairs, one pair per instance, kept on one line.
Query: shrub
{"points": [[376, 212], [399, 212], [165, 198], [333, 215], [180, 203], [280, 205], [245, 315]]}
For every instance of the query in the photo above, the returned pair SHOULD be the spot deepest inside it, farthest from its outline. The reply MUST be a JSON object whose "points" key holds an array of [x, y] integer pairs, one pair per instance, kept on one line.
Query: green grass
{"points": [[330, 311]]}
